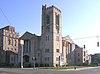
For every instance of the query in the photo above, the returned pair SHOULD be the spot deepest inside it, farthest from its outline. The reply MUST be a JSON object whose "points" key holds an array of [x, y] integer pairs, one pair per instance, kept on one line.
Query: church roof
{"points": [[68, 39], [27, 35]]}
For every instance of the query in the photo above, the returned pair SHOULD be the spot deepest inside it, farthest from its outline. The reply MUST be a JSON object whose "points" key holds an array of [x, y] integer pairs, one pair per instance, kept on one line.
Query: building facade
{"points": [[73, 54], [31, 49], [68, 50], [8, 45], [51, 37], [95, 59], [46, 48], [81, 56]]}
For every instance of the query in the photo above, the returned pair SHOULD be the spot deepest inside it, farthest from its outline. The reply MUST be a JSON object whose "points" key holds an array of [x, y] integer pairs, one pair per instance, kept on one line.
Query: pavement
{"points": [[50, 71]]}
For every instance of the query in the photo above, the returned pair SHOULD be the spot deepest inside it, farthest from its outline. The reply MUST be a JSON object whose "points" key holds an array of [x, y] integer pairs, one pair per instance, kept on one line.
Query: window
{"points": [[57, 50], [47, 50], [57, 58], [15, 49], [47, 59], [15, 42], [78, 60], [48, 19], [26, 45], [78, 54], [57, 27], [8, 40], [84, 59], [1, 40], [84, 53], [57, 22], [11, 48], [57, 19], [11, 41], [57, 38], [47, 28], [12, 59], [47, 23], [47, 38]]}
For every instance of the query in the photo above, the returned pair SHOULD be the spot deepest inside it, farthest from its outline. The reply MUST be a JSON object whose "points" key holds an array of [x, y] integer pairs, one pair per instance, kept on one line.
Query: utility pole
{"points": [[22, 43], [97, 41]]}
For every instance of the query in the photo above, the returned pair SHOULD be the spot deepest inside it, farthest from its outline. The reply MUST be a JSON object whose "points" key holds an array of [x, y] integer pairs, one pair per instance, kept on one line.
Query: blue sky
{"points": [[80, 18]]}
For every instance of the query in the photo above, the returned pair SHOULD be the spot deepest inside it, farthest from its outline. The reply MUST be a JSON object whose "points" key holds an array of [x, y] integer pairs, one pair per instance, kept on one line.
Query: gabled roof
{"points": [[27, 35], [68, 39], [7, 27], [76, 46]]}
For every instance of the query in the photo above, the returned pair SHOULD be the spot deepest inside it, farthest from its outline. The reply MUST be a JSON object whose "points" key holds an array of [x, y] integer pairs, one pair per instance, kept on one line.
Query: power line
{"points": [[5, 16], [85, 37]]}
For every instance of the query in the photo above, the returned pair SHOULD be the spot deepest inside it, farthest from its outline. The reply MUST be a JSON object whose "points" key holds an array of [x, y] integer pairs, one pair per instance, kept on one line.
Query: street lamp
{"points": [[34, 61], [22, 43]]}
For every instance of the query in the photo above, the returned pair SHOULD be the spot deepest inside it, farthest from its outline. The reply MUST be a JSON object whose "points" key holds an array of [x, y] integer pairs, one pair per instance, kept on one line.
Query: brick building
{"points": [[8, 45]]}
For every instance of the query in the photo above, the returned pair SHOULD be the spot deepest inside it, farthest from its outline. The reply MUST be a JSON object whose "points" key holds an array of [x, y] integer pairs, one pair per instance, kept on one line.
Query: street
{"points": [[48, 71]]}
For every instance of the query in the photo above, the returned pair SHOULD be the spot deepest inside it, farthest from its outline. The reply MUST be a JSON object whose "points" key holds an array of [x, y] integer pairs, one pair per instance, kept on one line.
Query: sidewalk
{"points": [[87, 68], [77, 69]]}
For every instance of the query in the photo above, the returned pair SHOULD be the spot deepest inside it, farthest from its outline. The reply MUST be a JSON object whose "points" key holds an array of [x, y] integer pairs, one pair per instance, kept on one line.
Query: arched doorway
{"points": [[26, 58]]}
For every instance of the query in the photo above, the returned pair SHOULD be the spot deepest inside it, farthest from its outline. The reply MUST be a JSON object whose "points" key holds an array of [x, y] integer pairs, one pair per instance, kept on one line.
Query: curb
{"points": [[78, 69]]}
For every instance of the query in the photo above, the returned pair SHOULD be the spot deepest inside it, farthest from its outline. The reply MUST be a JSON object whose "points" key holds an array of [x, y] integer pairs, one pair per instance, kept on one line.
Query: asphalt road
{"points": [[48, 71]]}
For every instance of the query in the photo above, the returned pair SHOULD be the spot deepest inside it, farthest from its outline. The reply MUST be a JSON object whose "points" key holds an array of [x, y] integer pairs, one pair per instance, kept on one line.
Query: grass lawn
{"points": [[65, 67]]}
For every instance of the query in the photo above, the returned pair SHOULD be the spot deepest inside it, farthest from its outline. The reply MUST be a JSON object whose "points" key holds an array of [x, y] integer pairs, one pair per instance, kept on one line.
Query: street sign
{"points": [[61, 58]]}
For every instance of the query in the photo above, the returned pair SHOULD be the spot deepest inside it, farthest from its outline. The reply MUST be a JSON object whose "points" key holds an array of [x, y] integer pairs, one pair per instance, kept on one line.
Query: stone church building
{"points": [[47, 48]]}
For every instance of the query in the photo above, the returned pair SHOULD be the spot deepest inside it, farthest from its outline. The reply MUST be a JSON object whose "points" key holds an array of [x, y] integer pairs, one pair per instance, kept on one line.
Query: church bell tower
{"points": [[51, 36]]}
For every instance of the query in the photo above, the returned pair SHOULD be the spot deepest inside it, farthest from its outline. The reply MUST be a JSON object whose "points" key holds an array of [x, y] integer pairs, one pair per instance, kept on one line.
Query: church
{"points": [[49, 49]]}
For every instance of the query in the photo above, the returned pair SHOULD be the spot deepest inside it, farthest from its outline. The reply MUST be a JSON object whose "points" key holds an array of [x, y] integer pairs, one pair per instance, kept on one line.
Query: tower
{"points": [[51, 38]]}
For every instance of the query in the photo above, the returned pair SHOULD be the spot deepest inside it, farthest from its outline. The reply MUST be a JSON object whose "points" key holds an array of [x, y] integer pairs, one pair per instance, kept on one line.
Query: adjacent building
{"points": [[81, 56], [8, 45], [68, 50], [73, 54], [95, 59]]}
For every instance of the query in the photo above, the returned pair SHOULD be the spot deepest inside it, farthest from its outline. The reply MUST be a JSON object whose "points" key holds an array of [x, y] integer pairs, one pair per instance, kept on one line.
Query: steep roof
{"points": [[68, 39], [27, 35]]}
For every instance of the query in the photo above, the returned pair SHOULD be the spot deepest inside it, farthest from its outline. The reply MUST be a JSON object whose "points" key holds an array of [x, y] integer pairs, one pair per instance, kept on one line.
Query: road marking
{"points": [[4, 73]]}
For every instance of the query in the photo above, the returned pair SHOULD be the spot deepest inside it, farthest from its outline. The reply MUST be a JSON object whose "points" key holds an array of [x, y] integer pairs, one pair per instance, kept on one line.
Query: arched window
{"points": [[48, 19]]}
